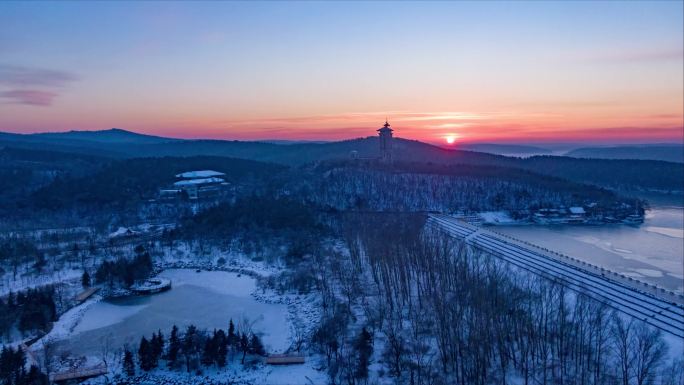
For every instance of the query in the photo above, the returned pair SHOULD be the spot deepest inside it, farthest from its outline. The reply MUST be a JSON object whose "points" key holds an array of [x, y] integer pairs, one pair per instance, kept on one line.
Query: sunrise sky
{"points": [[488, 72]]}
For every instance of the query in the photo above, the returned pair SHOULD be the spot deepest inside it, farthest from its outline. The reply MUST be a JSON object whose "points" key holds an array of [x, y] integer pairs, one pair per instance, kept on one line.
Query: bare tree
{"points": [[623, 345], [648, 355], [48, 353]]}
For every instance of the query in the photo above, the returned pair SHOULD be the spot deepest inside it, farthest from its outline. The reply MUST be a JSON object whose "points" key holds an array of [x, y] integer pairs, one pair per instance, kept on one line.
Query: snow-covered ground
{"points": [[234, 373], [32, 280], [496, 218], [207, 299]]}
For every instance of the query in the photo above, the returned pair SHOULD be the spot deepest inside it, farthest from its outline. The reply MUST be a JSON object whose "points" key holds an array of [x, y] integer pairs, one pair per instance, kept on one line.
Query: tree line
{"points": [[254, 224], [193, 349], [29, 311], [421, 187], [13, 369], [125, 271], [16, 251]]}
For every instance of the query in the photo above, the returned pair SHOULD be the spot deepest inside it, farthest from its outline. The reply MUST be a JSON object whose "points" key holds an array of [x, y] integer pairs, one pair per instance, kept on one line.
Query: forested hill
{"points": [[620, 174], [627, 174], [359, 185], [23, 171], [125, 182]]}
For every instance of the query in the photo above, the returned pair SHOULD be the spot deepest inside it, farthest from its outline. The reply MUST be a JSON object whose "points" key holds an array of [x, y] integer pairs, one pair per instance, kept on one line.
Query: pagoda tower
{"points": [[385, 134]]}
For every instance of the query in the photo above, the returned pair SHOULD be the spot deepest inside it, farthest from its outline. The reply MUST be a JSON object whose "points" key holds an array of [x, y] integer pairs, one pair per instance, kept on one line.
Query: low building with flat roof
{"points": [[195, 184], [199, 174]]}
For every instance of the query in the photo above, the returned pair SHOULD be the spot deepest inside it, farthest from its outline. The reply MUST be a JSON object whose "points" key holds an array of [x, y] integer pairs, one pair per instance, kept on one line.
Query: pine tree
{"points": [[190, 346], [255, 346], [232, 340], [208, 353], [158, 346], [174, 348], [139, 249], [221, 348], [145, 355], [128, 364], [85, 279], [153, 354], [35, 377], [364, 349], [11, 300]]}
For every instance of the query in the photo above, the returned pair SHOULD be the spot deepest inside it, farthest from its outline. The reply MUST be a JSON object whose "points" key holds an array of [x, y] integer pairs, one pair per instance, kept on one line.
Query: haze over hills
{"points": [[665, 152], [506, 149]]}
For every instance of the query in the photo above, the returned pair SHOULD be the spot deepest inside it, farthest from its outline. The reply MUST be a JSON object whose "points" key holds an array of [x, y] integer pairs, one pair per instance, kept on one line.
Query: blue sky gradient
{"points": [[495, 71]]}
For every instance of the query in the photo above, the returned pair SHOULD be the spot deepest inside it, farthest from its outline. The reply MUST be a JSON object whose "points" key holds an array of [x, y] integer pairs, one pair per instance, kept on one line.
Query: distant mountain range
{"points": [[121, 144], [666, 152], [126, 144], [110, 142]]}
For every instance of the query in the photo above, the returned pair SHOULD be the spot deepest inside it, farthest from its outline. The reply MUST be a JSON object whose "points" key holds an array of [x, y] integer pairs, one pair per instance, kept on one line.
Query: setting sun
{"points": [[450, 139]]}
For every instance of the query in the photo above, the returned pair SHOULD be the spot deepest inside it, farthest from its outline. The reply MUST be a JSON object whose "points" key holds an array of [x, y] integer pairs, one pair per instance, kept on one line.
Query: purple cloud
{"points": [[18, 76], [26, 85], [29, 97]]}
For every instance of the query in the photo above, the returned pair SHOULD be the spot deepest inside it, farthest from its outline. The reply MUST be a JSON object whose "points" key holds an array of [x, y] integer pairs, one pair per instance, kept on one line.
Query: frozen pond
{"points": [[651, 252], [207, 299]]}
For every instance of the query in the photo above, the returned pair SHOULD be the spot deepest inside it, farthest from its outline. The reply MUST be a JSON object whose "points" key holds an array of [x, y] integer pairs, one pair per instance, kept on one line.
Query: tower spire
{"points": [[385, 142]]}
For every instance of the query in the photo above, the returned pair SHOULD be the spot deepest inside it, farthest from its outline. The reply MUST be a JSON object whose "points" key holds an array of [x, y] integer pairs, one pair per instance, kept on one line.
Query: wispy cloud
{"points": [[344, 118], [634, 56], [32, 86], [19, 76], [29, 97]]}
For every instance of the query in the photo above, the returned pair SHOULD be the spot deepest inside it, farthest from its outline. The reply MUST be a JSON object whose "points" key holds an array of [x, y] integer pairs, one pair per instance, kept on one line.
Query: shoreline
{"points": [[296, 305]]}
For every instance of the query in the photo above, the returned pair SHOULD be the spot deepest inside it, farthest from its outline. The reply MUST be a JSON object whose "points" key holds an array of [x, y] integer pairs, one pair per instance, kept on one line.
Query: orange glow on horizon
{"points": [[432, 127]]}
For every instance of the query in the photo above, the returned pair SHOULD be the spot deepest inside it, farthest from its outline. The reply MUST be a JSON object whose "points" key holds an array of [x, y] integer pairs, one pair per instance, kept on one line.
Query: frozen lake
{"points": [[651, 252], [207, 299]]}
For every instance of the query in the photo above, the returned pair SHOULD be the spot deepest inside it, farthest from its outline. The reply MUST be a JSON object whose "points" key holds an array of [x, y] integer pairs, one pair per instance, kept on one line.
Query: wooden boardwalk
{"points": [[284, 359], [86, 294]]}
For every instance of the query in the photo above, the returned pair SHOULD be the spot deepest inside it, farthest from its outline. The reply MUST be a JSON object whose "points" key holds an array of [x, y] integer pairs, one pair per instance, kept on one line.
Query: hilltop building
{"points": [[196, 185], [385, 134], [386, 144]]}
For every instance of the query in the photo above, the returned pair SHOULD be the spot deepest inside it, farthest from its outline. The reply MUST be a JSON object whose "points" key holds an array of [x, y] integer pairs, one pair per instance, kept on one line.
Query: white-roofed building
{"points": [[196, 184], [199, 174], [577, 214], [198, 181]]}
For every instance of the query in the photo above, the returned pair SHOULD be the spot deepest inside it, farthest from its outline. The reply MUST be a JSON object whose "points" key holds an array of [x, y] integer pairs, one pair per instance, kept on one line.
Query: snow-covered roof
{"points": [[122, 232], [191, 182], [199, 174], [576, 210]]}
